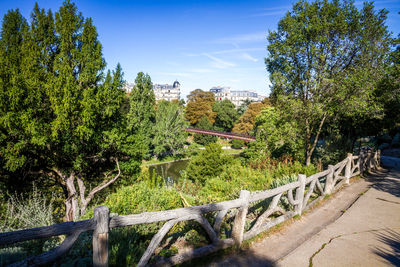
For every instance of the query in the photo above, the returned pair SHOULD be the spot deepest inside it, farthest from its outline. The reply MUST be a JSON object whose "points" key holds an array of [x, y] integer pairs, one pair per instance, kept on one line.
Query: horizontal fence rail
{"points": [[278, 204]]}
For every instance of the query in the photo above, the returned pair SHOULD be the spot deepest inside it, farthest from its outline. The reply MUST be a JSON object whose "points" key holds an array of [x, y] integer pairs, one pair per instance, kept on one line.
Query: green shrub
{"points": [[22, 212], [142, 198], [207, 164], [204, 139], [237, 143]]}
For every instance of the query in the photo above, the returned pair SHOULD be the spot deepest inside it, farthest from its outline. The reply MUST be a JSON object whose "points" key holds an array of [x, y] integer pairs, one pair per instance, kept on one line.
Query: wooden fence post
{"points": [[240, 219], [378, 158], [370, 160], [347, 171], [300, 193], [329, 180], [361, 161], [100, 236]]}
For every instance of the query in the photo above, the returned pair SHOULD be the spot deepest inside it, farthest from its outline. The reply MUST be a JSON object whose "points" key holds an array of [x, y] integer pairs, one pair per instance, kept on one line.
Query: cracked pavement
{"points": [[367, 234]]}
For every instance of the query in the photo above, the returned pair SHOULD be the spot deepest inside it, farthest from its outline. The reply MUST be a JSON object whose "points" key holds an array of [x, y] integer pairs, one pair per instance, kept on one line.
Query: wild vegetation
{"points": [[68, 127]]}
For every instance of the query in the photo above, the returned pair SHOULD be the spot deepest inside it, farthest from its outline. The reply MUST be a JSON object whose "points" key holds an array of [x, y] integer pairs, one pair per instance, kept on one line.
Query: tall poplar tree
{"points": [[141, 116]]}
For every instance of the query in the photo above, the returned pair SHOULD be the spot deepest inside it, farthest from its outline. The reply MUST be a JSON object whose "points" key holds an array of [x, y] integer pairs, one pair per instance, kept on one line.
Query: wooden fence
{"points": [[279, 204]]}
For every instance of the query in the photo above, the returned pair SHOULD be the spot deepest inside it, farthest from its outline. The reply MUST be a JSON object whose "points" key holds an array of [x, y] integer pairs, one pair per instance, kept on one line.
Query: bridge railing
{"points": [[267, 209], [229, 135]]}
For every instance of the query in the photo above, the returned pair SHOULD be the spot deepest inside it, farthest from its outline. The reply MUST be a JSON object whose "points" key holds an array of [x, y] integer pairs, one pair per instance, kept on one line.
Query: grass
{"points": [[232, 151]]}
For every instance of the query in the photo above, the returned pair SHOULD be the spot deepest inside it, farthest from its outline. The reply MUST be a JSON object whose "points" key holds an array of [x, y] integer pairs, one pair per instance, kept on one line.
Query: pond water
{"points": [[169, 170]]}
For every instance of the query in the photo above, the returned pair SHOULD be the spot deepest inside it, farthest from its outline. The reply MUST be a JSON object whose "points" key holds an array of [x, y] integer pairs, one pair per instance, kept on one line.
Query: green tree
{"points": [[324, 59], [243, 107], [278, 134], [226, 115], [204, 139], [246, 122], [200, 104], [389, 89], [70, 126], [141, 116], [207, 164], [169, 133]]}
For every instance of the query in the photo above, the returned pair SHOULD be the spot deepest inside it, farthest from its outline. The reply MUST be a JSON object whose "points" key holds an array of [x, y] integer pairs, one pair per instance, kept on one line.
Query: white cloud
{"points": [[219, 63], [176, 74], [269, 13], [278, 8], [248, 57], [201, 70], [243, 38], [237, 50]]}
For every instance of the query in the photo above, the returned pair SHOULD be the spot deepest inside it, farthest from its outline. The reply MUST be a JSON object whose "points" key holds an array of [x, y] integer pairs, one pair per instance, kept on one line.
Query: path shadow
{"points": [[392, 239], [240, 259], [386, 181]]}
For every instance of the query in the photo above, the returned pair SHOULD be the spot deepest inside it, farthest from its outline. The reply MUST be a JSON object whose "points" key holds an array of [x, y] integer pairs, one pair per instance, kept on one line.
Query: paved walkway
{"points": [[359, 226]]}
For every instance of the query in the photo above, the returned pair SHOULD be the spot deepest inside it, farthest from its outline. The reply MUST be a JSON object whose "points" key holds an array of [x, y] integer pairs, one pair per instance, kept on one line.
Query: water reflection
{"points": [[170, 171]]}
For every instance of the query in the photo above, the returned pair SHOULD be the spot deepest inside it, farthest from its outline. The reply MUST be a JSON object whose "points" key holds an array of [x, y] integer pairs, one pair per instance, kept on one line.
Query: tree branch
{"points": [[318, 133], [104, 184]]}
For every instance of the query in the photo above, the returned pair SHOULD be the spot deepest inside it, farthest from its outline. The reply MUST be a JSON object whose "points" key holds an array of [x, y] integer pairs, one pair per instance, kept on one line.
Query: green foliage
{"points": [[226, 115], [237, 143], [388, 91], [324, 60], [278, 135], [204, 139], [169, 134], [243, 107], [141, 198], [25, 212], [141, 115], [253, 175], [207, 164], [60, 116], [246, 122]]}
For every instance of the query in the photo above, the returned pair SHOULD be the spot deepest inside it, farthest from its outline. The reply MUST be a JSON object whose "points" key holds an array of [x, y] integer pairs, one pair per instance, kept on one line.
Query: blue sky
{"points": [[200, 43]]}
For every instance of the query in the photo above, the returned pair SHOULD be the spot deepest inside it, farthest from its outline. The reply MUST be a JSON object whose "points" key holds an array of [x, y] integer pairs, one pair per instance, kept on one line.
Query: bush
{"points": [[22, 213], [141, 198], [204, 139], [237, 143], [207, 164]]}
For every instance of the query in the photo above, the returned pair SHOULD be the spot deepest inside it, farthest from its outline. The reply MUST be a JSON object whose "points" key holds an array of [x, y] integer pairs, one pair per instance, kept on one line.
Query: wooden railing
{"points": [[282, 203]]}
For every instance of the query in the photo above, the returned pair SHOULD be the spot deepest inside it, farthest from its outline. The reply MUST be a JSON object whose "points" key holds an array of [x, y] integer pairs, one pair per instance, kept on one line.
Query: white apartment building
{"points": [[235, 96], [161, 91], [167, 92]]}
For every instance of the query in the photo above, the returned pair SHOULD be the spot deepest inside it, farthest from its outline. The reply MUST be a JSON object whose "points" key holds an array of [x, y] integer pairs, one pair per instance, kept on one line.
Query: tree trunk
{"points": [[72, 208], [71, 203], [86, 200], [310, 148]]}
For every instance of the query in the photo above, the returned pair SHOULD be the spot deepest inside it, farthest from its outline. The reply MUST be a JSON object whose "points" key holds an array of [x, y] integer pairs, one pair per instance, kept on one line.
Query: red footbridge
{"points": [[243, 137]]}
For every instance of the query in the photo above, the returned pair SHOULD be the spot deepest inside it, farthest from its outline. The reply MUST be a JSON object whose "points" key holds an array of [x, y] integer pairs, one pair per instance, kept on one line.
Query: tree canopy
{"points": [[226, 115], [204, 139], [200, 104], [141, 115], [61, 117], [246, 122], [169, 134], [325, 59]]}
